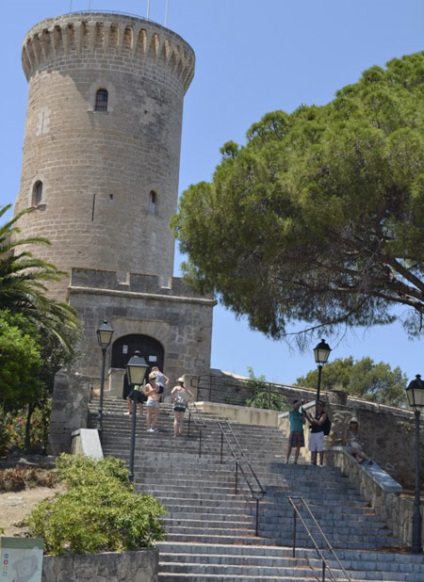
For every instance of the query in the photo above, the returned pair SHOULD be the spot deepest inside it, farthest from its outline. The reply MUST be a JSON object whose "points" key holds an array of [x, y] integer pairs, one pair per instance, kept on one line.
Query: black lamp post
{"points": [[136, 370], [321, 354], [415, 394], [104, 337]]}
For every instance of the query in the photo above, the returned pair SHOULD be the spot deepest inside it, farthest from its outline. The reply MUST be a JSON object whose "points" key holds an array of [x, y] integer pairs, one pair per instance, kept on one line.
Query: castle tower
{"points": [[100, 170], [102, 141]]}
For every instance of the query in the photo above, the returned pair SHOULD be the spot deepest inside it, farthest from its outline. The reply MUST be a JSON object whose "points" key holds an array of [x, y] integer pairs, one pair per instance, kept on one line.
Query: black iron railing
{"points": [[318, 538], [242, 463]]}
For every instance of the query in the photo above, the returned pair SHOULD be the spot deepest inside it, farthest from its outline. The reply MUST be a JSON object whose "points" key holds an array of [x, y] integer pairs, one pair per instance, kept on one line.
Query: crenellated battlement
{"points": [[96, 279], [111, 34]]}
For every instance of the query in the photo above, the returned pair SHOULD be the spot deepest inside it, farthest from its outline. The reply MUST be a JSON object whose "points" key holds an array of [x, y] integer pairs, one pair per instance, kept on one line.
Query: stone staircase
{"points": [[212, 519]]}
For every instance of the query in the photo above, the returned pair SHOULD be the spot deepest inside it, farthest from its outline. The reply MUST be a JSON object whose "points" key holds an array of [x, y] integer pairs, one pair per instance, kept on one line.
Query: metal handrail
{"points": [[217, 389], [242, 462], [240, 458], [295, 502]]}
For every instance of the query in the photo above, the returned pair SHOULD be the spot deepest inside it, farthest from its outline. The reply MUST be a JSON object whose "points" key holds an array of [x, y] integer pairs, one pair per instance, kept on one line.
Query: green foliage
{"points": [[362, 379], [14, 429], [23, 288], [264, 396], [20, 360], [38, 334], [319, 218], [99, 511]]}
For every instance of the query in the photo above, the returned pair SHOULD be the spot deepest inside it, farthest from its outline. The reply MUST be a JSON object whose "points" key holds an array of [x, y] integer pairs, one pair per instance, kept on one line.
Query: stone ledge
{"points": [[373, 472]]}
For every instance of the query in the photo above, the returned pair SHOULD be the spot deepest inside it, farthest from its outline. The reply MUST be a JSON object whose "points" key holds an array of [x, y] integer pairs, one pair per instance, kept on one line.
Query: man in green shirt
{"points": [[296, 438]]}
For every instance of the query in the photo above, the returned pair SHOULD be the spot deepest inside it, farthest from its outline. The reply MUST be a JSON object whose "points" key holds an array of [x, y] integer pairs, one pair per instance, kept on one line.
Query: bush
{"points": [[100, 512], [13, 425], [264, 396], [19, 478]]}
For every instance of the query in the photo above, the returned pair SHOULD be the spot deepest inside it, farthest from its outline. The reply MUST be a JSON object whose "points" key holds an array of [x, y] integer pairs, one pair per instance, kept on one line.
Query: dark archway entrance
{"points": [[125, 347]]}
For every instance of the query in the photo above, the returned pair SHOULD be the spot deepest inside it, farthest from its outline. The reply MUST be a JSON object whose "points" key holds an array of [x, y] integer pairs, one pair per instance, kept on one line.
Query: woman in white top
{"points": [[161, 380], [353, 442]]}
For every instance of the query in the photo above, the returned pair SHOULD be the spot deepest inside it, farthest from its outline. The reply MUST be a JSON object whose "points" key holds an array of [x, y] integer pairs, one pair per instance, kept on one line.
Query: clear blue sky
{"points": [[251, 58]]}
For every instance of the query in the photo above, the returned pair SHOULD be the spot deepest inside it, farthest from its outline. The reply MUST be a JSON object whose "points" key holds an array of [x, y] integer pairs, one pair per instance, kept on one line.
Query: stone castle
{"points": [[100, 169]]}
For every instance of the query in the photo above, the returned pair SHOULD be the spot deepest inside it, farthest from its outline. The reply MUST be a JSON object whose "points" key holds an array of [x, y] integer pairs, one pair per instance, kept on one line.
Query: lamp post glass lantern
{"points": [[104, 337], [136, 371], [321, 354], [415, 394], [104, 334]]}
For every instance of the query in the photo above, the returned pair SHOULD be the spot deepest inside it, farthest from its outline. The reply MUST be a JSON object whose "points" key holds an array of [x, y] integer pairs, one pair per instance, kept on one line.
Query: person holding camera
{"points": [[296, 437], [316, 436]]}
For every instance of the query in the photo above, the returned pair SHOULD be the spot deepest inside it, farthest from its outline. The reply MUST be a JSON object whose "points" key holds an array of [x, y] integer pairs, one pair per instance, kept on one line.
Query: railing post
{"points": [[236, 483], [257, 518], [222, 447], [200, 442], [323, 571], [189, 422], [294, 532]]}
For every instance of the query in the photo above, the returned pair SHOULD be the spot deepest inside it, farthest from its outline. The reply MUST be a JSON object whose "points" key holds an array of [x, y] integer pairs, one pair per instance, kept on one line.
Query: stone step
{"points": [[373, 566], [207, 516]]}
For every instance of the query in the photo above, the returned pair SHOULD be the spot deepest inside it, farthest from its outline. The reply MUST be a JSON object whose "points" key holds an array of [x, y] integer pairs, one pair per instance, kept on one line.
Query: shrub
{"points": [[100, 512], [264, 396], [13, 425], [19, 478]]}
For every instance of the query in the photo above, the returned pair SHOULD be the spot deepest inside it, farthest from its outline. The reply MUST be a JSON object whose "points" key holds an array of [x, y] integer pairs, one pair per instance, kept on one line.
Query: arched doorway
{"points": [[125, 347]]}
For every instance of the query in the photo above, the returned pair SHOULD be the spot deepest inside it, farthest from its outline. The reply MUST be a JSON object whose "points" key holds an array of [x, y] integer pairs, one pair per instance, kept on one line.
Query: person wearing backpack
{"points": [[180, 395], [316, 437]]}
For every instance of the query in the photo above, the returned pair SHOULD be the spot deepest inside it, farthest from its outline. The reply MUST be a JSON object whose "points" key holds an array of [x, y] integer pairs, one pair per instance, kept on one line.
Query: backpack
{"points": [[327, 426]]}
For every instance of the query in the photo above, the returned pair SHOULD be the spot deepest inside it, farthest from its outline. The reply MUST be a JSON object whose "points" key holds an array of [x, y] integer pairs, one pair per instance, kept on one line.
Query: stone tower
{"points": [[100, 168], [102, 140]]}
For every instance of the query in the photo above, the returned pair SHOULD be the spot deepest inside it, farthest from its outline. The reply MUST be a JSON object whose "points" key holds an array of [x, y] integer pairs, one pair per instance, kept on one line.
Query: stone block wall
{"points": [[141, 566]]}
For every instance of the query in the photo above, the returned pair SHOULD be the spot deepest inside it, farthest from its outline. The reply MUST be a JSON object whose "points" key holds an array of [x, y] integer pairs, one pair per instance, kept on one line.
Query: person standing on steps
{"points": [[180, 395], [296, 437], [138, 397], [152, 405], [161, 381], [316, 437]]}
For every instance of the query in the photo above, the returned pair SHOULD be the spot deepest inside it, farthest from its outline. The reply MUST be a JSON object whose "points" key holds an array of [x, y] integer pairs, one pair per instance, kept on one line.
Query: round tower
{"points": [[102, 141]]}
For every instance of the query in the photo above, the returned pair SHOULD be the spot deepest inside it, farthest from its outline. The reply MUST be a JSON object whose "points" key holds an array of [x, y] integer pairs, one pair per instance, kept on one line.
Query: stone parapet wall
{"points": [[173, 287], [139, 566], [100, 33], [395, 510], [242, 414]]}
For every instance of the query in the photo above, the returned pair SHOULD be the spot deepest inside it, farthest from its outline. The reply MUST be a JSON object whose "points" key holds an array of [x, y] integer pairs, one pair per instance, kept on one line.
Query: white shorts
{"points": [[316, 442]]}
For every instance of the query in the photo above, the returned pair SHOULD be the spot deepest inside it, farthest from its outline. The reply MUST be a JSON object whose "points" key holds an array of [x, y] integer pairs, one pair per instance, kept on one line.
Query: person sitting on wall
{"points": [[353, 443]]}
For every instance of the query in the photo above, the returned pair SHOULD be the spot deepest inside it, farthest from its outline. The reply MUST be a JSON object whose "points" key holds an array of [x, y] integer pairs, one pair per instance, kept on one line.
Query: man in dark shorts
{"points": [[296, 438], [138, 395]]}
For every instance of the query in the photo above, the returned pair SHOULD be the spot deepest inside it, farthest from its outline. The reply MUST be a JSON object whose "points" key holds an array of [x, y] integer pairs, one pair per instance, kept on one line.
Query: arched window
{"points": [[37, 193], [101, 100], [153, 198]]}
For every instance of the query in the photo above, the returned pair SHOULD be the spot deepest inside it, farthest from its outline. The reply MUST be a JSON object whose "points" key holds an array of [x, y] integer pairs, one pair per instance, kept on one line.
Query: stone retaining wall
{"points": [[139, 566], [395, 510]]}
